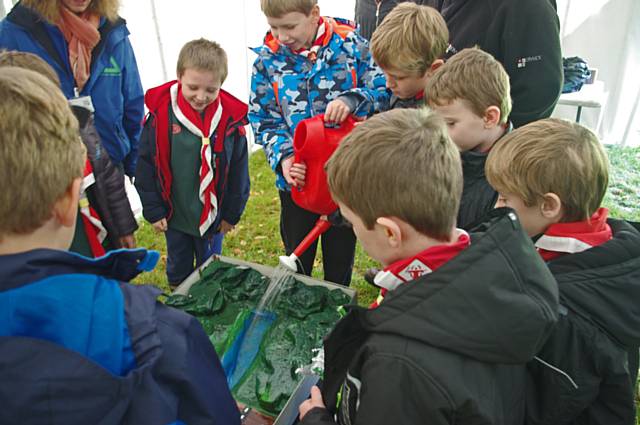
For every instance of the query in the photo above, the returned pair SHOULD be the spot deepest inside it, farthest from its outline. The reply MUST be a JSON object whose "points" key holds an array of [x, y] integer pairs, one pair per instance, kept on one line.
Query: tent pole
{"points": [[160, 48]]}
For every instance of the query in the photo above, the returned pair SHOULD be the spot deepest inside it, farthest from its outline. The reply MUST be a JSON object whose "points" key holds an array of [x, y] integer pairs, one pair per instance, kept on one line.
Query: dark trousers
{"points": [[338, 243], [183, 248]]}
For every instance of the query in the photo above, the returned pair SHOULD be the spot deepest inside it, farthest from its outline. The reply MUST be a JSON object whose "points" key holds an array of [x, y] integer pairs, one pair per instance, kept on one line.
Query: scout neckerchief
{"points": [[95, 231], [203, 127], [412, 268], [312, 52], [81, 34], [569, 238]]}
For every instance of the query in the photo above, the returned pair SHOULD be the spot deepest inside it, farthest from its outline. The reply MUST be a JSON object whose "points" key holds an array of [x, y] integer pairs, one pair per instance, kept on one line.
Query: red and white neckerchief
{"points": [[93, 227], [569, 238], [424, 263], [312, 52], [203, 128]]}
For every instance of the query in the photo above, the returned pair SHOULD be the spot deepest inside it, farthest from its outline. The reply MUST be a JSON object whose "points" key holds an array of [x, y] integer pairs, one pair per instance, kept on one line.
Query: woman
{"points": [[87, 43]]}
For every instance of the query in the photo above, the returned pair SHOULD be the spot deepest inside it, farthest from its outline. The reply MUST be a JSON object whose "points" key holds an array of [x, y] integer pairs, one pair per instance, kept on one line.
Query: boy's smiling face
{"points": [[295, 29], [199, 88]]}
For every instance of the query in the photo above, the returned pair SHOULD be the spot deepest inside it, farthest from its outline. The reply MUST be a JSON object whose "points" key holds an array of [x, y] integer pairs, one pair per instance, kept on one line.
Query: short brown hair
{"points": [[400, 163], [40, 149], [279, 8], [473, 76], [29, 61], [50, 9], [551, 156], [410, 39], [203, 55]]}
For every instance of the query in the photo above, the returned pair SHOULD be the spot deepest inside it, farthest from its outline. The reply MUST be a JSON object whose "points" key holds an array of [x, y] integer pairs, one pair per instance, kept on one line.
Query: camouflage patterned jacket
{"points": [[287, 88]]}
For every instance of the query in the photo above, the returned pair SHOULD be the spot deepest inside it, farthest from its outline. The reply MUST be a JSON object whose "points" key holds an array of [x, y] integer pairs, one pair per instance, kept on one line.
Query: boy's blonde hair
{"points": [[476, 78], [40, 152], [203, 55], [279, 8], [400, 163], [410, 39], [29, 61], [551, 156], [50, 9]]}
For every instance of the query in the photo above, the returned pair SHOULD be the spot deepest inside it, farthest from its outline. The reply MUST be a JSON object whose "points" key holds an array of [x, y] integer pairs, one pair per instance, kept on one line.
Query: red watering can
{"points": [[313, 143]]}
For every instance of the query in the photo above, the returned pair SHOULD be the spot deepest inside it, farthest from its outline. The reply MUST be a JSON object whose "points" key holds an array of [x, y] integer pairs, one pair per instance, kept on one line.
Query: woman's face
{"points": [[76, 6]]}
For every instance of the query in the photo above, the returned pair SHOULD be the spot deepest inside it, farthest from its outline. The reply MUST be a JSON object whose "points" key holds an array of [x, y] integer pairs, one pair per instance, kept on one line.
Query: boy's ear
{"points": [[551, 207], [392, 230], [65, 209], [434, 66], [315, 11], [492, 116]]}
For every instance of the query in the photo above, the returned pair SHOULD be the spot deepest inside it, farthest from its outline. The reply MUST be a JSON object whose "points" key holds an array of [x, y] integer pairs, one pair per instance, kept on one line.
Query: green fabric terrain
{"points": [[224, 298]]}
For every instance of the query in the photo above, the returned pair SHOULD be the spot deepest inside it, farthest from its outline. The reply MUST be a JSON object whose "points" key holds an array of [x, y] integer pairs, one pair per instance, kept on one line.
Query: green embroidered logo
{"points": [[114, 70]]}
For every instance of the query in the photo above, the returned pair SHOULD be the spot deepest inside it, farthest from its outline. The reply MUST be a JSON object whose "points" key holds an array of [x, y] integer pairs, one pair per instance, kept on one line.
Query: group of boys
{"points": [[514, 315]]}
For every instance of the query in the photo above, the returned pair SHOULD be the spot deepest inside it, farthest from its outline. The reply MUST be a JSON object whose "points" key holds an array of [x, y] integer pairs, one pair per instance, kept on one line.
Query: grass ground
{"points": [[257, 237]]}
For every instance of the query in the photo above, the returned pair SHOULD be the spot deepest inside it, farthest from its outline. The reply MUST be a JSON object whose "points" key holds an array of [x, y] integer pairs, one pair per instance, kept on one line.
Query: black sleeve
{"points": [[532, 57], [238, 183], [395, 391], [318, 416], [147, 180]]}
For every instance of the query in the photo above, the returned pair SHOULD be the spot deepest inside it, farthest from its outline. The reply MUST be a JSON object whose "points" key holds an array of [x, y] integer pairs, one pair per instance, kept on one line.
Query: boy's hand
{"points": [[226, 227], [160, 225], [286, 165], [127, 241], [311, 403], [298, 172], [337, 111]]}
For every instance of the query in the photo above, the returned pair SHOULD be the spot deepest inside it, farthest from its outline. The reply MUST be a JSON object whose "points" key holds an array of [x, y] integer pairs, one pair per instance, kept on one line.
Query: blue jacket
{"points": [[287, 88], [114, 84], [79, 346]]}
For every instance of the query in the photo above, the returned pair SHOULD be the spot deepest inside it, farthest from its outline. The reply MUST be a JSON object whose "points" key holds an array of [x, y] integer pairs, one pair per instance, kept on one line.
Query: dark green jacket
{"points": [[450, 347]]}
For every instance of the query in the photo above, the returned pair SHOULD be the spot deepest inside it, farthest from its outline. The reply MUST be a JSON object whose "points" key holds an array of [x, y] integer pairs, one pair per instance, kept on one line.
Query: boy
{"points": [[105, 218], [409, 46], [192, 175], [471, 93], [77, 344], [309, 65], [554, 173], [449, 342]]}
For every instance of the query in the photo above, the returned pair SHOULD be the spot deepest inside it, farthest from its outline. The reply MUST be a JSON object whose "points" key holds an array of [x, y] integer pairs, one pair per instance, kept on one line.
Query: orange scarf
{"points": [[81, 34]]}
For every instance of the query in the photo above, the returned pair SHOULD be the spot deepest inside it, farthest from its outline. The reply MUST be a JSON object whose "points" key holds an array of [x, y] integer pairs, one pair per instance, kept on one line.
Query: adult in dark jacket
{"points": [[586, 356], [369, 14], [109, 66], [451, 338], [523, 35]]}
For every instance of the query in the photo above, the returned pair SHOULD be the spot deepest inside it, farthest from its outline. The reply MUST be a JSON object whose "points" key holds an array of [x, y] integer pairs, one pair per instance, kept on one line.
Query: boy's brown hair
{"points": [[400, 163], [475, 77], [29, 61], [203, 55], [410, 39], [40, 152], [279, 8], [551, 156], [50, 9]]}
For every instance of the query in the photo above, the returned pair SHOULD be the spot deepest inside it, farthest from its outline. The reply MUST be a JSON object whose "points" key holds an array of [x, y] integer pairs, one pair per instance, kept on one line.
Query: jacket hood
{"points": [[496, 301], [603, 283], [122, 265], [160, 96], [339, 26]]}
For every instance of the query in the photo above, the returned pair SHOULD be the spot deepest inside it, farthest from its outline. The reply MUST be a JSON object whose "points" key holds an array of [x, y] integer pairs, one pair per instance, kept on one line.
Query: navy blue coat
{"points": [[79, 346]]}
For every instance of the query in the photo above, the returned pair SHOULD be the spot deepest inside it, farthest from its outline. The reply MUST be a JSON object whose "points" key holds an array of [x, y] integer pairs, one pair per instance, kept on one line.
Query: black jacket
{"points": [[450, 347], [581, 376], [369, 14], [107, 195], [478, 197], [523, 35]]}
